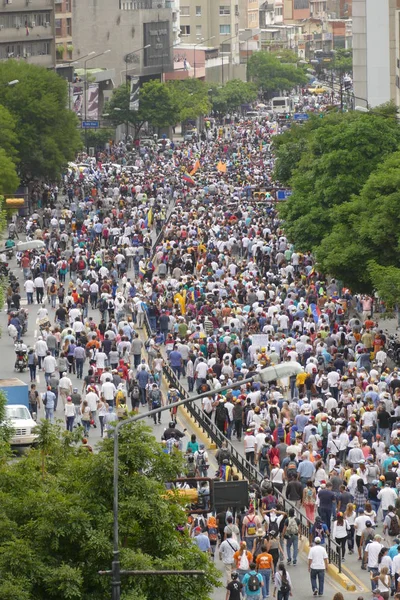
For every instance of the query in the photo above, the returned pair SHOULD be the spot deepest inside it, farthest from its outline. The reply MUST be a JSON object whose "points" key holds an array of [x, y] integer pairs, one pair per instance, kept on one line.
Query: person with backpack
{"points": [[283, 583], [263, 459], [156, 401], [291, 533], [391, 524], [212, 534], [251, 523], [243, 559], [202, 462], [319, 530], [253, 583]]}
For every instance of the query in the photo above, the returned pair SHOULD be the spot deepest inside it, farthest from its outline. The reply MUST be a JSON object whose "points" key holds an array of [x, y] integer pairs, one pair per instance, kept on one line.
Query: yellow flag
{"points": [[195, 168], [221, 167], [150, 217]]}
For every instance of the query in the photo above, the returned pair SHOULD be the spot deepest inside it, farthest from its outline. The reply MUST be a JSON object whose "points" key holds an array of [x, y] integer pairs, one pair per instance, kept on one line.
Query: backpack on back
{"points": [[200, 459], [394, 527], [212, 535], [253, 583], [251, 527], [292, 528]]}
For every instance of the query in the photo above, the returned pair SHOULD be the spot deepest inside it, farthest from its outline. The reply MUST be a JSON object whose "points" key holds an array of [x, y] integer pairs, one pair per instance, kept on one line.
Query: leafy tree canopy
{"points": [[56, 521], [270, 74], [190, 97], [336, 160], [47, 131], [157, 106], [364, 244]]}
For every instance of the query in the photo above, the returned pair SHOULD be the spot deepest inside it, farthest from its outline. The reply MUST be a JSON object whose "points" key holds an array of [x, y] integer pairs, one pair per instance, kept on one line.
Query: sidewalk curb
{"points": [[340, 578]]}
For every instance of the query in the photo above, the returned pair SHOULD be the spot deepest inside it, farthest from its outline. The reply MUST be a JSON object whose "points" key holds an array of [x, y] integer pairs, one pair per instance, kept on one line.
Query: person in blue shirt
{"points": [[248, 578], [394, 550]]}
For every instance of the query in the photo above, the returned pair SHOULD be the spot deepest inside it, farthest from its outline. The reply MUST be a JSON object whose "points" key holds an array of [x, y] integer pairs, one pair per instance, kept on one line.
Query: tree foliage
{"points": [[363, 247], [271, 75], [190, 97], [336, 160], [56, 529], [47, 135], [157, 106]]}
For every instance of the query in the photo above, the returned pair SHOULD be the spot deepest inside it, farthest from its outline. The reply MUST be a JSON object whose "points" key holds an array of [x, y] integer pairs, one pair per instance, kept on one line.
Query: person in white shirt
{"points": [[49, 365], [226, 551], [317, 565], [29, 287], [64, 388], [108, 391], [39, 287], [388, 497]]}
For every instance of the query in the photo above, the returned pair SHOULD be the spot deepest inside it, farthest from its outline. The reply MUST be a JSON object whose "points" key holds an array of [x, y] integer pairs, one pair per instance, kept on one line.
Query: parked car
{"points": [[19, 418]]}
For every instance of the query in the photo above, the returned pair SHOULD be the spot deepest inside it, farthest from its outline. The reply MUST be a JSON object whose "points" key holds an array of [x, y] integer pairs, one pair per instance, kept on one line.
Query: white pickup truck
{"points": [[21, 421]]}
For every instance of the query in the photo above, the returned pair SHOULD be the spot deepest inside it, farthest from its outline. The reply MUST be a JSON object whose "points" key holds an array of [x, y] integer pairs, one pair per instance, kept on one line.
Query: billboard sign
{"points": [[134, 93], [156, 35]]}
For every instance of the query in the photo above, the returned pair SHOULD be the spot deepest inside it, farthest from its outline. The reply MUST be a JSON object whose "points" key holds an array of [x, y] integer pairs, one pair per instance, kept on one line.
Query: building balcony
{"points": [[25, 6], [14, 34]]}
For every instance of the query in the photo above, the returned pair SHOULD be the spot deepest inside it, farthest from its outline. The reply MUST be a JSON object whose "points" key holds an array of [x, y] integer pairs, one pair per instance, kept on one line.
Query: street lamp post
{"points": [[222, 54], [85, 87], [265, 375], [126, 59], [194, 52]]}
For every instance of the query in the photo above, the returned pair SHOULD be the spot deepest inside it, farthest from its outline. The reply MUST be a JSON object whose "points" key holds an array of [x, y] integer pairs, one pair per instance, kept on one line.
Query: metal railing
{"points": [[245, 468]]}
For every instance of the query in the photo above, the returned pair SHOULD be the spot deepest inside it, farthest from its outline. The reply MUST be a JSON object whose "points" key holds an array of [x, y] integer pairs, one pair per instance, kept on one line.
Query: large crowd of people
{"points": [[225, 294]]}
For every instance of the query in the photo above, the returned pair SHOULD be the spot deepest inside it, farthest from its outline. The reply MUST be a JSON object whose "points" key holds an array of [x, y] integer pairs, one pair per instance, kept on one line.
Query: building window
{"points": [[185, 11], [198, 11], [185, 30], [278, 11], [224, 29], [225, 48], [67, 5], [58, 27], [198, 30], [69, 27], [224, 10]]}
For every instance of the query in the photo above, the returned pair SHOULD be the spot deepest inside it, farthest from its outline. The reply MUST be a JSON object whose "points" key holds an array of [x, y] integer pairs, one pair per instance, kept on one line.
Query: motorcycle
{"points": [[9, 253], [21, 362]]}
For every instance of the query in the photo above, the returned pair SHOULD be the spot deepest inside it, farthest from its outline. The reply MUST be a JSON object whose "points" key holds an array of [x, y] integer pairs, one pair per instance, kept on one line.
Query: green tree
{"points": [[157, 106], [56, 531], [190, 97], [336, 161], [237, 92], [270, 75], [363, 247], [47, 131]]}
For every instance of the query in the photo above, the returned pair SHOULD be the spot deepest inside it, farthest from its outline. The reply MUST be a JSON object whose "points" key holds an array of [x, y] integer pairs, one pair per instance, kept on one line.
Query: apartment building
{"points": [[249, 14], [63, 29], [212, 23], [27, 31], [123, 29], [376, 51]]}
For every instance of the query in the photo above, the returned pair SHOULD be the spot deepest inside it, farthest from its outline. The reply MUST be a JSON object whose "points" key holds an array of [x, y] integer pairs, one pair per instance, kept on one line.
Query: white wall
{"points": [[378, 51]]}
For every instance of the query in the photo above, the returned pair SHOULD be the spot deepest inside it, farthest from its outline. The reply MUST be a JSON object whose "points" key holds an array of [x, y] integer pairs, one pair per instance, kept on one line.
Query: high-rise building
{"points": [[376, 43], [214, 23], [123, 28], [249, 14], [27, 31], [63, 29]]}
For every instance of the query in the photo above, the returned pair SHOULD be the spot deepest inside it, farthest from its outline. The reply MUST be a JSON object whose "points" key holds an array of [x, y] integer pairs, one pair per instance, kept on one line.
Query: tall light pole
{"points": [[85, 87], [126, 59], [222, 55], [265, 375], [194, 51]]}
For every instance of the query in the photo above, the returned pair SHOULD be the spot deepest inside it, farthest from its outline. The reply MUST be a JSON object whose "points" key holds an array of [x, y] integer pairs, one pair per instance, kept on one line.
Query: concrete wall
{"points": [[99, 25]]}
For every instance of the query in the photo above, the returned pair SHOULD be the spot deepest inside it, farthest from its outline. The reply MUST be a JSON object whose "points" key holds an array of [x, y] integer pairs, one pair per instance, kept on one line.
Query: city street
{"points": [[299, 573]]}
